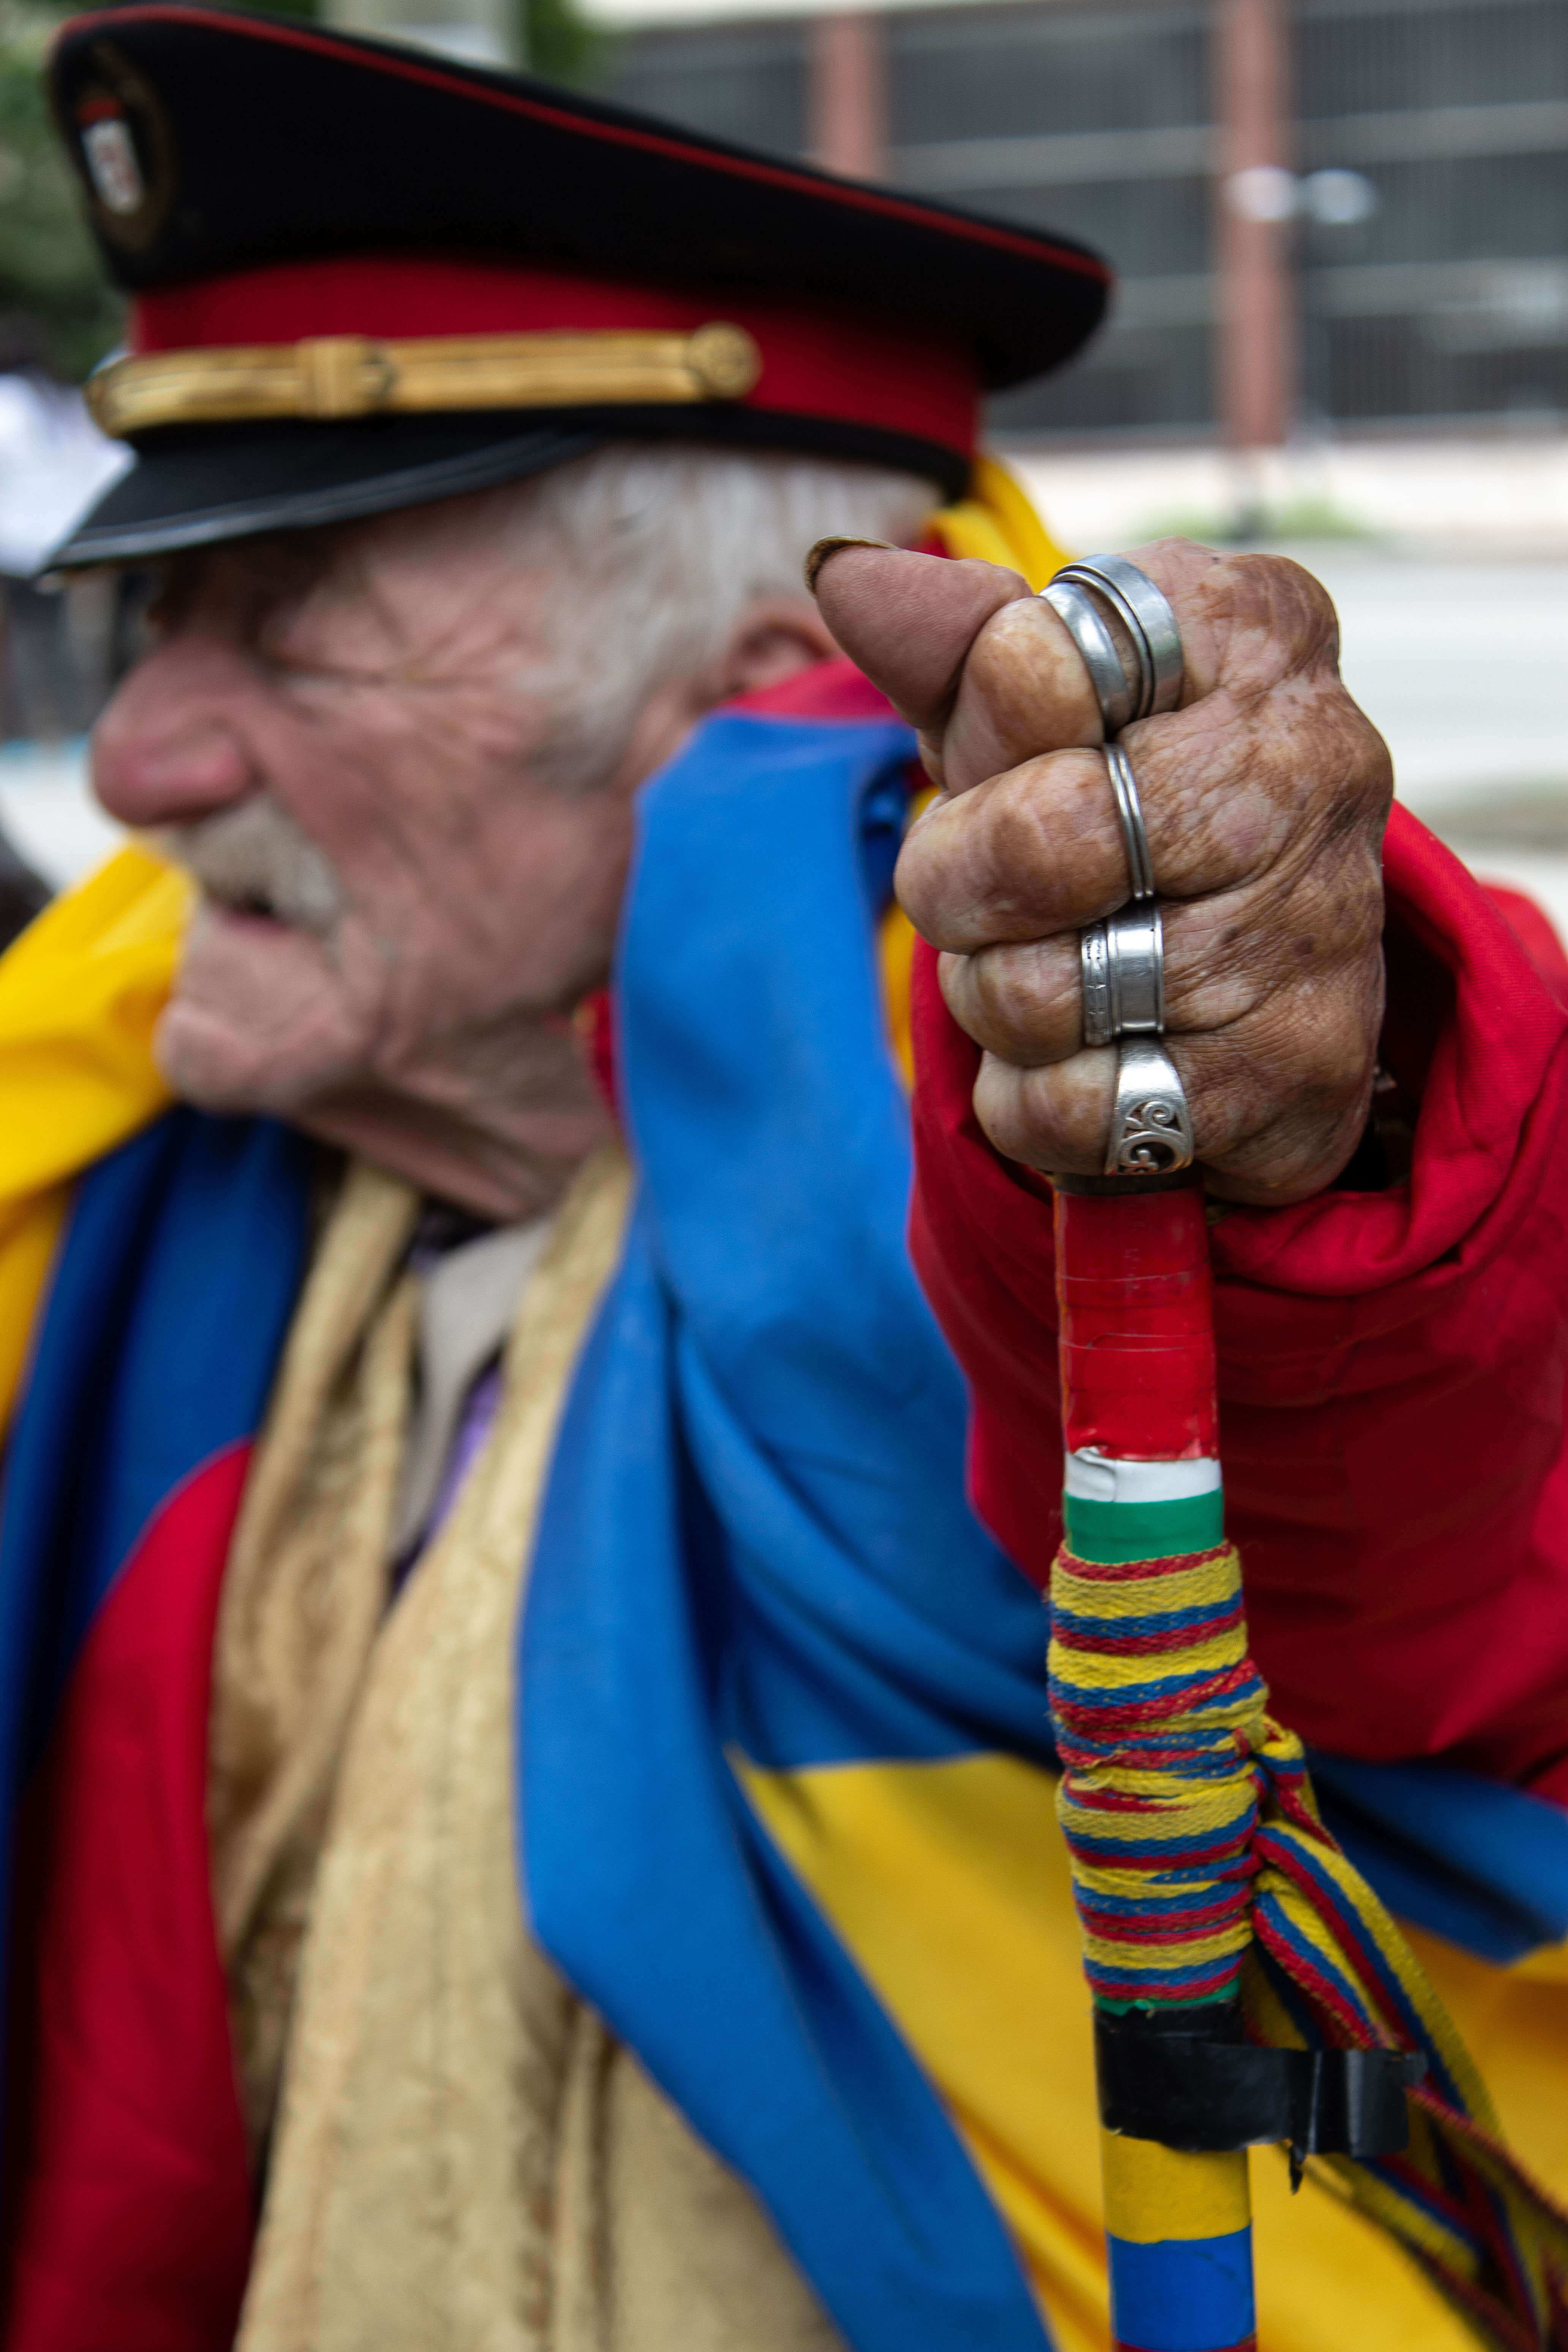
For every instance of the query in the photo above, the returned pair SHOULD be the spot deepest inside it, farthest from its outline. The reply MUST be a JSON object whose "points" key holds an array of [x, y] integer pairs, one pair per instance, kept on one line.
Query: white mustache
{"points": [[254, 857]]}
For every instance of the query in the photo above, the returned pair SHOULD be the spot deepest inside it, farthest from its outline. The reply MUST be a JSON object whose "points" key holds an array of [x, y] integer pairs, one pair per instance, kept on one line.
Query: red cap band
{"points": [[815, 363]]}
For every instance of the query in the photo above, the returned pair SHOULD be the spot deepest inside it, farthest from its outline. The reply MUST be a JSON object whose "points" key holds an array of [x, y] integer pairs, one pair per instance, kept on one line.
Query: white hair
{"points": [[660, 548]]}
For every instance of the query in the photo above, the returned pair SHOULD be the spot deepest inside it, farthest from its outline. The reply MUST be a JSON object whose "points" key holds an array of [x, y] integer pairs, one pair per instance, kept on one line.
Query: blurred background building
{"points": [[1341, 233], [1346, 212]]}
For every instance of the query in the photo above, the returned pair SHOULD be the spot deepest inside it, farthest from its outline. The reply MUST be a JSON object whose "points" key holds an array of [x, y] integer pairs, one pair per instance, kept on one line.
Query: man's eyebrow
{"points": [[287, 567], [281, 580]]}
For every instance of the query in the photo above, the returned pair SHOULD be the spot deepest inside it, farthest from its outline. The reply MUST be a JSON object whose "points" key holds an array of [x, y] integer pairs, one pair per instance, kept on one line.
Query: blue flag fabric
{"points": [[166, 1313], [755, 1537]]}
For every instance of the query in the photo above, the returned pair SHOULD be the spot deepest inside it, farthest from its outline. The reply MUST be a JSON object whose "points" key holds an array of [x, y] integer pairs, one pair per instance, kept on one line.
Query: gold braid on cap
{"points": [[352, 376]]}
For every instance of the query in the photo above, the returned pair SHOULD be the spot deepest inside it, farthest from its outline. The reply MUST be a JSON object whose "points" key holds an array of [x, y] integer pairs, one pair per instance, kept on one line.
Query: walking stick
{"points": [[1145, 1601], [1179, 1799], [1143, 1494]]}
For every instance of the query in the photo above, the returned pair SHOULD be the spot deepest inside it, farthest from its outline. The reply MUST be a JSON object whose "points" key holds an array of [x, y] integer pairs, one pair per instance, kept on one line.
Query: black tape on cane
{"points": [[1188, 2091]]}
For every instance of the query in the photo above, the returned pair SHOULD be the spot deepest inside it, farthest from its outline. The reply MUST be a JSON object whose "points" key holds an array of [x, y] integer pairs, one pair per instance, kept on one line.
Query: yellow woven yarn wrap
{"points": [[1160, 1716]]}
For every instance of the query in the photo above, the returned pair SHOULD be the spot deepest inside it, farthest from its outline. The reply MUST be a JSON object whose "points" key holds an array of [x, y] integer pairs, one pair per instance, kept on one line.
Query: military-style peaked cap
{"points": [[362, 277]]}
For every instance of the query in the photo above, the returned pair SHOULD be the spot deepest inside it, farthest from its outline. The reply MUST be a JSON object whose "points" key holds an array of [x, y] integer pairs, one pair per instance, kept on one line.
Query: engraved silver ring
{"points": [[1151, 1126], [1124, 966], [1098, 1026]]}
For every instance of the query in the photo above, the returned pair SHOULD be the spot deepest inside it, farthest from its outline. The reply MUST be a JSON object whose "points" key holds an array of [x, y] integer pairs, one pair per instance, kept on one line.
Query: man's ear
{"points": [[774, 639]]}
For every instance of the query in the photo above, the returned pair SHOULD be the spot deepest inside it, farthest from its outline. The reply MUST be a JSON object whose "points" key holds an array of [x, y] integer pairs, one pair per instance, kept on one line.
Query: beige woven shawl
{"points": [[459, 2159]]}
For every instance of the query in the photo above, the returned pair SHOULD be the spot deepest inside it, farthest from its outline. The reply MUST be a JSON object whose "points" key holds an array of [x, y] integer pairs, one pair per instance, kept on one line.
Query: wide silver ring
{"points": [[1130, 810], [1085, 625], [1145, 613], [1124, 966], [1151, 1128]]}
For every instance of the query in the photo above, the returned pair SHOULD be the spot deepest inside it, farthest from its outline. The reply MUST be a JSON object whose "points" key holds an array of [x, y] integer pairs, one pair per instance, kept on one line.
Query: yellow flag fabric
{"points": [[998, 523], [80, 992]]}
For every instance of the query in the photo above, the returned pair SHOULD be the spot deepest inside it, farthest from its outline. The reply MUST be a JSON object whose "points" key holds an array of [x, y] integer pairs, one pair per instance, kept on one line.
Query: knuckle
{"points": [[1346, 766], [1282, 620], [935, 879], [1041, 846], [1274, 1098], [1020, 847], [1232, 792], [1214, 953], [917, 873], [1298, 596], [1028, 853], [1030, 678], [1051, 1119], [1019, 1001], [1337, 1032]]}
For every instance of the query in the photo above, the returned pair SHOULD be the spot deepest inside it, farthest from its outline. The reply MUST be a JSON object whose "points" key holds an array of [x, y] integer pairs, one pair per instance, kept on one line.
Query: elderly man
{"points": [[532, 1794]]}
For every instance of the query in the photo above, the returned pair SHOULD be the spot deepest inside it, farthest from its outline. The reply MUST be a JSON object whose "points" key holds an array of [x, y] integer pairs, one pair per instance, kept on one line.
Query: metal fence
{"points": [[1446, 298]]}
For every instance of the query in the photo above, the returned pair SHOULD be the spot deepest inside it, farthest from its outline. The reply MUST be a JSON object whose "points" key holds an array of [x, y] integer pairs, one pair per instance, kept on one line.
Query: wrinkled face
{"points": [[353, 740]]}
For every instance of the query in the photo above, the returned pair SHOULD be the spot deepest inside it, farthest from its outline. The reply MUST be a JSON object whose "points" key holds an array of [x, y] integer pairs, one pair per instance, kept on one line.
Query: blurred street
{"points": [[1462, 666], [49, 814]]}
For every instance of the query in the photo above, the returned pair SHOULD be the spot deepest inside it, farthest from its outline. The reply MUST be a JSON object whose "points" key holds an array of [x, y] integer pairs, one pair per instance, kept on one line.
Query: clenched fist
{"points": [[1264, 796]]}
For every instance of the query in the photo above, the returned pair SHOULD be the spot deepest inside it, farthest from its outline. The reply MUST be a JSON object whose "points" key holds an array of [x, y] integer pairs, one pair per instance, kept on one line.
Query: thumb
{"points": [[907, 621], [983, 668]]}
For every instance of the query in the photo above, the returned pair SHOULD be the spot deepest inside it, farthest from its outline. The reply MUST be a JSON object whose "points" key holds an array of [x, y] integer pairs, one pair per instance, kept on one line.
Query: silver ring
{"points": [[1073, 605], [1149, 620], [1099, 1028], [1123, 965], [1129, 809], [1151, 1128]]}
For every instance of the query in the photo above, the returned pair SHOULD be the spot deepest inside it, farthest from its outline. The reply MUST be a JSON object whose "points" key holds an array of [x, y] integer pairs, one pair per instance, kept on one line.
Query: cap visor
{"points": [[196, 488]]}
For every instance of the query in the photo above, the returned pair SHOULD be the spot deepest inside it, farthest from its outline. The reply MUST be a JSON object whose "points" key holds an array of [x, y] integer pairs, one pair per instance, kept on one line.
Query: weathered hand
{"points": [[1264, 797]]}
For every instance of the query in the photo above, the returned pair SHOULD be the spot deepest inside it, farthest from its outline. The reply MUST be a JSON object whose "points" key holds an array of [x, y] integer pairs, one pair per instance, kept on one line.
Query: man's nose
{"points": [[171, 745]]}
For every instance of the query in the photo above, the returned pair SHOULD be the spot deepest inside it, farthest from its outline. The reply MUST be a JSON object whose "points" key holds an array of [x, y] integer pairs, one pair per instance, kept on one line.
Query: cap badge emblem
{"points": [[111, 154], [125, 150]]}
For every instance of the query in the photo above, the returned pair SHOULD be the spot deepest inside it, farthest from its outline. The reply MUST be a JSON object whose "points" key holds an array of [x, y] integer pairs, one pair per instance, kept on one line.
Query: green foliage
{"points": [[559, 43], [52, 289], [1256, 524], [54, 299]]}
